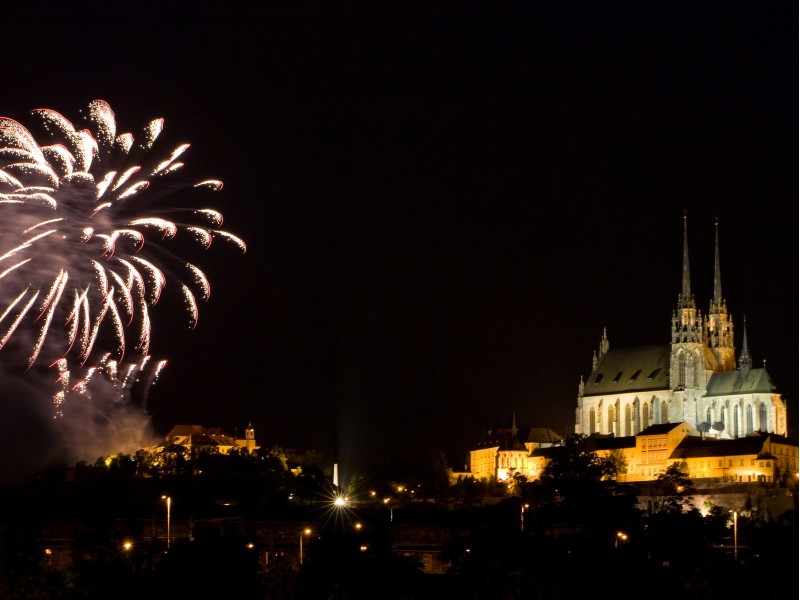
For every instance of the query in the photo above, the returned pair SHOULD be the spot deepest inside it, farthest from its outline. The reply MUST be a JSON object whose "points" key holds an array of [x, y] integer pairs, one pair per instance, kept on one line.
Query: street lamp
{"points": [[735, 536], [169, 511], [305, 531]]}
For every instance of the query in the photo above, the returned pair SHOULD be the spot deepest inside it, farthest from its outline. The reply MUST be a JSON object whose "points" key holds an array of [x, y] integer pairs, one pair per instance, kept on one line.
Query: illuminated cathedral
{"points": [[696, 378]]}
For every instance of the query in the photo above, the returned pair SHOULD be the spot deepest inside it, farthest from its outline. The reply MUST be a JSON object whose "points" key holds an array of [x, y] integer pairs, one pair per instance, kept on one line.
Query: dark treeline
{"points": [[256, 526]]}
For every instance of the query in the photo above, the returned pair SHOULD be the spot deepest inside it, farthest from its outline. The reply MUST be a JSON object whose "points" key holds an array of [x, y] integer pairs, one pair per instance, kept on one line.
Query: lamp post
{"points": [[169, 511], [735, 536], [305, 531]]}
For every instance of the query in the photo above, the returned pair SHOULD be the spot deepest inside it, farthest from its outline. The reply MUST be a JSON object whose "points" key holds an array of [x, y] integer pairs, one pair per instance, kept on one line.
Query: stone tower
{"points": [[719, 325]]}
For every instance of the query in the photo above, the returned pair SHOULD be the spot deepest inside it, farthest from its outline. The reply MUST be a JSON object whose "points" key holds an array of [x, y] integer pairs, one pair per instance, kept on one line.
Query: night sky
{"points": [[445, 205]]}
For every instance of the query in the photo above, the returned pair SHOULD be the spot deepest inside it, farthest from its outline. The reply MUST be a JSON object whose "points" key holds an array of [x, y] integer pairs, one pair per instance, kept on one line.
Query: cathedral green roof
{"points": [[749, 381], [630, 370]]}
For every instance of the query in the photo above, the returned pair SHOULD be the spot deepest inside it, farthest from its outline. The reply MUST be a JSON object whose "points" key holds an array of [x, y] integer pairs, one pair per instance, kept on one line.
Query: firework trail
{"points": [[81, 263]]}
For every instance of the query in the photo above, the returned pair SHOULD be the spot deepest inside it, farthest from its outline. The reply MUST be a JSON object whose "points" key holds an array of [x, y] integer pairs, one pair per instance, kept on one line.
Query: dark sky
{"points": [[445, 205]]}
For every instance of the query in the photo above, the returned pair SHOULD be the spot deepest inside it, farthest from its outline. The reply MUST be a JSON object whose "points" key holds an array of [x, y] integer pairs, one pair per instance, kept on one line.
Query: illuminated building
{"points": [[505, 451], [759, 457], [198, 438], [695, 378], [688, 401]]}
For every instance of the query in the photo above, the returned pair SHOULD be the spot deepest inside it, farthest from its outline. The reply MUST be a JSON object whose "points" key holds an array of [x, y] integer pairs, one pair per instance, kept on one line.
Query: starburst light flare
{"points": [[82, 263]]}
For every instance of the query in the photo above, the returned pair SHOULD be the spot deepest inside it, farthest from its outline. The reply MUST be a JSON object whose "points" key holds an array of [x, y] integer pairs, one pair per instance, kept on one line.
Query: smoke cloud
{"points": [[103, 419]]}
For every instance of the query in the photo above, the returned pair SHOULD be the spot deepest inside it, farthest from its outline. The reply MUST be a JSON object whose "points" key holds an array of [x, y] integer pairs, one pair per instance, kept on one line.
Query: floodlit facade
{"points": [[508, 451], [695, 378], [757, 458], [198, 438], [690, 400]]}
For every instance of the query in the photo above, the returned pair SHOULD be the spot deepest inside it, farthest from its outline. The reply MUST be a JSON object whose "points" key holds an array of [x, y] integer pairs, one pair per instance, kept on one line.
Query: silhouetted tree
{"points": [[672, 490]]}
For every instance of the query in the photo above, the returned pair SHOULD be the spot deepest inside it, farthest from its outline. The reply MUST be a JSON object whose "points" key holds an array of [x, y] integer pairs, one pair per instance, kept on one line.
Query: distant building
{"points": [[758, 458], [197, 438], [695, 378], [505, 451], [690, 400]]}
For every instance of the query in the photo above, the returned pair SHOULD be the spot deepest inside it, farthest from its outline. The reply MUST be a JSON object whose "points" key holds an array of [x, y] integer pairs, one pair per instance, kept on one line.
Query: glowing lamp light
{"points": [[305, 531]]}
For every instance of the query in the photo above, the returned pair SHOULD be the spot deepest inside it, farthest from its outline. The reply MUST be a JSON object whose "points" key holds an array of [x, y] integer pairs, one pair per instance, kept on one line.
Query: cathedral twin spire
{"points": [[687, 324], [716, 330]]}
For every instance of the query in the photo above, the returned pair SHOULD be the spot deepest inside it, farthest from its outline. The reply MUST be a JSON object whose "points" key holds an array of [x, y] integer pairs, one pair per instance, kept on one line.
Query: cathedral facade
{"points": [[695, 378]]}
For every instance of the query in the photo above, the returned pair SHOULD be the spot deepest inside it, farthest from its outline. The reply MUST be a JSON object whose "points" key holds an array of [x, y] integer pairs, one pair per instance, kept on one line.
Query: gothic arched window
{"points": [[749, 420], [592, 421]]}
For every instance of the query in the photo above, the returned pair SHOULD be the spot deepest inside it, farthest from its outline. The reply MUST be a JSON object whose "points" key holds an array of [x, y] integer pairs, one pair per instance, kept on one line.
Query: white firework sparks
{"points": [[81, 265]]}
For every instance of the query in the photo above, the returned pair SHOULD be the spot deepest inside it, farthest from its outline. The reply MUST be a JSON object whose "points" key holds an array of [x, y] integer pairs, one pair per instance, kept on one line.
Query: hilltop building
{"points": [[760, 457], [689, 400], [695, 378], [198, 438], [505, 450]]}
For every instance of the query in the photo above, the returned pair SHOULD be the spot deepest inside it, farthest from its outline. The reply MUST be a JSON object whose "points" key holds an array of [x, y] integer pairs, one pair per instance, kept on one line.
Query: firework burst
{"points": [[81, 263]]}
